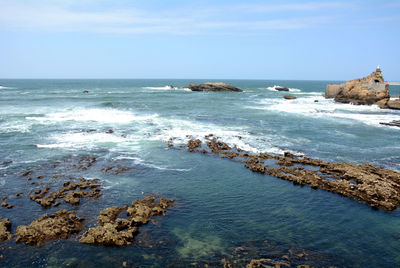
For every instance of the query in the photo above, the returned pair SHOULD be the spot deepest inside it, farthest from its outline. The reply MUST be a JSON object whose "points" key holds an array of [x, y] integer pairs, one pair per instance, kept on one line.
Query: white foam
{"points": [[370, 115], [139, 161], [97, 115], [183, 130], [14, 127], [81, 140]]}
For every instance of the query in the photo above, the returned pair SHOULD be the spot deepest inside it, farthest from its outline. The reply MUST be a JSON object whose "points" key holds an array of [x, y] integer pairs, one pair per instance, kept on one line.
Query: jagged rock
{"points": [[364, 91], [113, 231], [289, 97], [68, 192], [5, 226], [193, 144], [49, 227], [278, 88], [215, 86], [377, 187]]}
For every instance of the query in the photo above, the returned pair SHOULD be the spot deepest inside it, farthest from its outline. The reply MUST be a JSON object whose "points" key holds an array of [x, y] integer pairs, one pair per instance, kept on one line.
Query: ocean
{"points": [[222, 210]]}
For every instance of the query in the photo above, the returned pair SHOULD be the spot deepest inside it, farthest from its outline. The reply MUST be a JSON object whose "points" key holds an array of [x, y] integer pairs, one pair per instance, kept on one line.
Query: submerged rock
{"points": [[365, 91], [5, 226], [50, 227], [113, 231], [216, 86]]}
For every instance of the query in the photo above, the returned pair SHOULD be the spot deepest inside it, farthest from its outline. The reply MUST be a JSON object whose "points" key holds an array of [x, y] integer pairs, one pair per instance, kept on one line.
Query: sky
{"points": [[298, 40]]}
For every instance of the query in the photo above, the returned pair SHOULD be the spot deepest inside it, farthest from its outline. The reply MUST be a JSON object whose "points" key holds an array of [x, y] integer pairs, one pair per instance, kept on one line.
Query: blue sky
{"points": [[320, 40]]}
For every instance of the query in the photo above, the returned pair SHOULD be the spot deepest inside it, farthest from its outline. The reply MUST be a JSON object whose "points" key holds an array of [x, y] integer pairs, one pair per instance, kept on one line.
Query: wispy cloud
{"points": [[56, 16]]}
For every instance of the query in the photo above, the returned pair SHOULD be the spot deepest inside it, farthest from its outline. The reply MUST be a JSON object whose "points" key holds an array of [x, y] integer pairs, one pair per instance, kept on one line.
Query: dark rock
{"points": [[49, 227], [216, 86], [395, 123], [110, 131], [289, 97], [85, 91], [278, 88]]}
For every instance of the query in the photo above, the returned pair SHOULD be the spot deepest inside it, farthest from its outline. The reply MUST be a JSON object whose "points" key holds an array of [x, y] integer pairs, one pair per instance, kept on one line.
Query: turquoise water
{"points": [[220, 205]]}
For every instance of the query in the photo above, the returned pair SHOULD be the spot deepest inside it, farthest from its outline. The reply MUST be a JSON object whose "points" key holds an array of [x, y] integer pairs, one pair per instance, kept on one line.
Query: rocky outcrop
{"points": [[394, 123], [289, 97], [377, 187], [113, 231], [69, 192], [49, 227], [389, 104], [215, 86], [278, 88], [365, 91], [5, 226]]}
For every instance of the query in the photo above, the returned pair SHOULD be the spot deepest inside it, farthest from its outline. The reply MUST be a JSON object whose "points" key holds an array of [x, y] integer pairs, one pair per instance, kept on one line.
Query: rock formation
{"points": [[289, 97], [5, 226], [49, 227], [113, 231], [378, 187], [365, 91], [278, 88], [216, 86]]}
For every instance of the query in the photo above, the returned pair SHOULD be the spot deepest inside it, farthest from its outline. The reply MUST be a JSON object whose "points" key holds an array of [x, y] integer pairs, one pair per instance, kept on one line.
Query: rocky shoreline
{"points": [[377, 187]]}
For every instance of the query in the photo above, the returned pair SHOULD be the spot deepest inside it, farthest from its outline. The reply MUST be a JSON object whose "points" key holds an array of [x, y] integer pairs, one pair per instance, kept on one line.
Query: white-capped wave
{"points": [[140, 161], [4, 87], [181, 131], [318, 106], [82, 140], [98, 115]]}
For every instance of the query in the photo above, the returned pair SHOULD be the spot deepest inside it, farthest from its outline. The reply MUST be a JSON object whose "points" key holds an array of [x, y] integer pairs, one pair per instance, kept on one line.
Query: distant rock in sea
{"points": [[278, 88], [369, 90], [216, 86], [289, 97]]}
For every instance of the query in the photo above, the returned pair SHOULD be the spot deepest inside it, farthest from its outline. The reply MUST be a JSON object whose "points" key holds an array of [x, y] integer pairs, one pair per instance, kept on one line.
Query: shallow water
{"points": [[220, 205]]}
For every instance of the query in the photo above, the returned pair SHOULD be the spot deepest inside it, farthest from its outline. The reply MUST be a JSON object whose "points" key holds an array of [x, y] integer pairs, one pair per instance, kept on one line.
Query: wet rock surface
{"points": [[59, 225], [215, 86], [70, 192], [377, 187], [113, 231], [289, 97], [5, 226], [395, 123]]}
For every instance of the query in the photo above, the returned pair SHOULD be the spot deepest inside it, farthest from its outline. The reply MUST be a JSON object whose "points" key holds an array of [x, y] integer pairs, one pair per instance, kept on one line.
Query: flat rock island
{"points": [[215, 86]]}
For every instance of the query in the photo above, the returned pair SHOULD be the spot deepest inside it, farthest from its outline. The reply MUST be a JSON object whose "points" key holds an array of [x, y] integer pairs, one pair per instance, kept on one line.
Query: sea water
{"points": [[220, 205]]}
